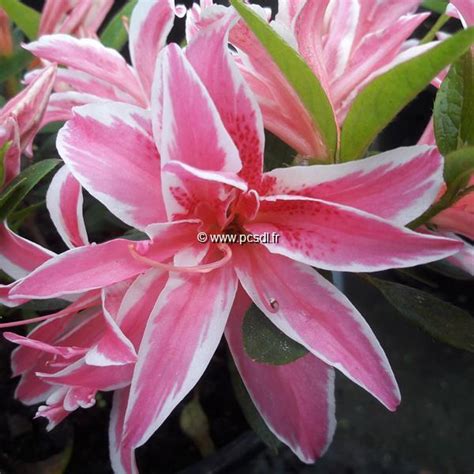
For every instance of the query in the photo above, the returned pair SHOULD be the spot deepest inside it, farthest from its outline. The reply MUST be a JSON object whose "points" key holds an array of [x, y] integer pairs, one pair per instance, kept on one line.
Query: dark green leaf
{"points": [[115, 35], [15, 192], [442, 320], [16, 219], [297, 73], [378, 103], [265, 343], [438, 6], [14, 64], [25, 17], [249, 410], [453, 112]]}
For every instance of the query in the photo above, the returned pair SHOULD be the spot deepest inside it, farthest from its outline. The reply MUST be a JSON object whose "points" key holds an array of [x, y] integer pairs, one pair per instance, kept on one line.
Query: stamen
{"points": [[205, 268]]}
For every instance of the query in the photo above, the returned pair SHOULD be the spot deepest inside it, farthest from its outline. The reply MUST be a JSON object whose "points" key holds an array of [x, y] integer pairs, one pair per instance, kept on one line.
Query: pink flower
{"points": [[80, 18], [19, 121], [208, 178], [346, 43], [462, 9], [95, 73]]}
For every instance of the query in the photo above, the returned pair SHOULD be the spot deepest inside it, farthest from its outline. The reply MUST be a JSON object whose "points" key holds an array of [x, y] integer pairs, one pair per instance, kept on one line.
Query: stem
{"points": [[440, 22]]}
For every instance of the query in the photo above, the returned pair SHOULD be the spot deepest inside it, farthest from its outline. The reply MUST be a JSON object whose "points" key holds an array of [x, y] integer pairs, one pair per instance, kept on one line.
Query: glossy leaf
{"points": [[250, 411], [442, 320], [453, 113], [25, 17], [378, 103], [115, 35], [297, 73], [265, 343], [15, 192]]}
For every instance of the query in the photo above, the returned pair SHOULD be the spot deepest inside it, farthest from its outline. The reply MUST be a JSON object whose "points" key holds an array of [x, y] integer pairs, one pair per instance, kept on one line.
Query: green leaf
{"points": [[249, 410], [265, 343], [438, 6], [297, 73], [458, 165], [440, 319], [14, 64], [16, 219], [115, 35], [453, 113], [16, 191], [25, 17], [378, 103]]}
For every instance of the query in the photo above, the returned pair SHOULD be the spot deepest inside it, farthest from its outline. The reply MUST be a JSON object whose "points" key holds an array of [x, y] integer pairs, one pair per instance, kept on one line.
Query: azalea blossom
{"points": [[194, 163], [346, 43], [81, 18]]}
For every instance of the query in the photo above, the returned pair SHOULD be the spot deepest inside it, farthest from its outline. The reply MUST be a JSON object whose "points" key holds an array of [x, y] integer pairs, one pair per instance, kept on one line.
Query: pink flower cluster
{"points": [[173, 145]]}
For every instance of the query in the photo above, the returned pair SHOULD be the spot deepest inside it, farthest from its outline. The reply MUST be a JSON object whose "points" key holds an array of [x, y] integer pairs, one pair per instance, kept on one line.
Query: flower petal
{"points": [[64, 203], [186, 123], [109, 149], [19, 256], [414, 174], [208, 53], [90, 56], [335, 237], [150, 25], [81, 269], [28, 106], [296, 400], [186, 325], [314, 313]]}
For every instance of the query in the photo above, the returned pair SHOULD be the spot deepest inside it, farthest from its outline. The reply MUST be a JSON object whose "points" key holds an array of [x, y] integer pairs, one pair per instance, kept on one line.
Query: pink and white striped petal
{"points": [[64, 203], [90, 56], [307, 308], [296, 400], [185, 117], [335, 237], [113, 348], [110, 150], [138, 302], [415, 175], [120, 457], [186, 325], [60, 105], [150, 25], [28, 106], [343, 18], [81, 269], [209, 54], [19, 256], [82, 374]]}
